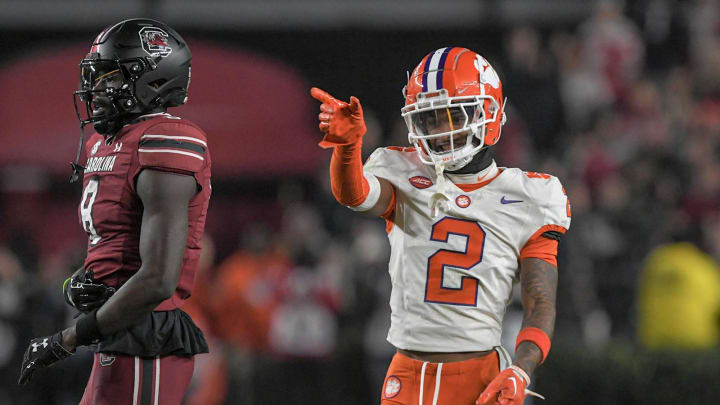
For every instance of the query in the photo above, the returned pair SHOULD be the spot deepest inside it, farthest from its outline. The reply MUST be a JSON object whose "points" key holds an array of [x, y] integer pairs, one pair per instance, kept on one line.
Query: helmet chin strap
{"points": [[439, 201], [105, 128], [77, 168]]}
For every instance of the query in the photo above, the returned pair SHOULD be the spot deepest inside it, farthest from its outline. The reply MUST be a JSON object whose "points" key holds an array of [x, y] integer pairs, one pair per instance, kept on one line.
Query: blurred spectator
{"points": [[302, 326], [11, 301], [583, 93], [30, 304], [532, 88], [679, 299], [209, 382], [644, 123], [711, 235], [244, 294], [613, 49], [516, 146], [703, 22], [247, 290], [679, 102]]}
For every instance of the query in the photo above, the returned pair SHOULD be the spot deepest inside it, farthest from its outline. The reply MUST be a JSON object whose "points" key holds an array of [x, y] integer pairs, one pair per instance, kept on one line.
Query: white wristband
{"points": [[521, 373], [373, 193]]}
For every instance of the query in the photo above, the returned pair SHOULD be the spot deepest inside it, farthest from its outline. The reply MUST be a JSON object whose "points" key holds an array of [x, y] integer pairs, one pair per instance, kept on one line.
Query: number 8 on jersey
{"points": [[88, 199]]}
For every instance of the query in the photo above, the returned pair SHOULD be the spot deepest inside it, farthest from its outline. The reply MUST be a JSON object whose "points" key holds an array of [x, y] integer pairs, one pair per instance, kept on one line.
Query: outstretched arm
{"points": [[163, 236], [344, 126]]}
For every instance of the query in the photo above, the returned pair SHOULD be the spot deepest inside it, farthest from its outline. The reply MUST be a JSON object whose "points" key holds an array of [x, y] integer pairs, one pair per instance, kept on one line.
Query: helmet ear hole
{"points": [[176, 97], [156, 84]]}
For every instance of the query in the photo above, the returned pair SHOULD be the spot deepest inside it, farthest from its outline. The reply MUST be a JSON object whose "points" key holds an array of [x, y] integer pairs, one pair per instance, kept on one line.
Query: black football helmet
{"points": [[134, 67]]}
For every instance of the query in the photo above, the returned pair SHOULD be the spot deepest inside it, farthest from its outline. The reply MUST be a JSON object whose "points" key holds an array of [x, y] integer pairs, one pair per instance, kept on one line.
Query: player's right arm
{"points": [[344, 126]]}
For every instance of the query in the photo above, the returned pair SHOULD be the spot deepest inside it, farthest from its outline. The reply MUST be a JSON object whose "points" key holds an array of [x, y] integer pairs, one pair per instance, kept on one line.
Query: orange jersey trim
{"points": [[389, 214], [540, 247], [402, 148], [472, 187], [568, 206]]}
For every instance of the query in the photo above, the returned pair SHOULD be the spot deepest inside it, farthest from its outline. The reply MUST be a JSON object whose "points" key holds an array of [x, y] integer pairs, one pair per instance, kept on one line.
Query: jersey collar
{"points": [[472, 187]]}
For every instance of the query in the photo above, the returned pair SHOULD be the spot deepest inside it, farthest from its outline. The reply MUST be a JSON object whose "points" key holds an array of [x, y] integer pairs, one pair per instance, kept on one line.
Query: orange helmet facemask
{"points": [[453, 107]]}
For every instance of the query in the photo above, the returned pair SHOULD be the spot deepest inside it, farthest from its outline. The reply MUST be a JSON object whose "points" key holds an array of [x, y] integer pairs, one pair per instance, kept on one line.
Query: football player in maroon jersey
{"points": [[146, 187]]}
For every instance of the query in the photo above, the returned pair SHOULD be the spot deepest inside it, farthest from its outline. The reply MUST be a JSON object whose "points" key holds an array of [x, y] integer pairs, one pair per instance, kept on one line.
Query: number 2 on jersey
{"points": [[466, 294], [88, 199]]}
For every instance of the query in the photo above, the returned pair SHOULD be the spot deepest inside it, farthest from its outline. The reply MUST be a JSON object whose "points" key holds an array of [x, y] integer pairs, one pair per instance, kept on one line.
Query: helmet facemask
{"points": [[448, 131], [106, 91]]}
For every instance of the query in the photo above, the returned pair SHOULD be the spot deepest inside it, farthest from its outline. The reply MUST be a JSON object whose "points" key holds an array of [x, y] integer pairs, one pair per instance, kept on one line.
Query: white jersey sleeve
{"points": [[550, 210], [390, 162], [374, 164]]}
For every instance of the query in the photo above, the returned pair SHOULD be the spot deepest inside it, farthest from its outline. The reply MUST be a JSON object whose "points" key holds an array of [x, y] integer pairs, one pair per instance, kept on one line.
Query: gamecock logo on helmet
{"points": [[155, 41]]}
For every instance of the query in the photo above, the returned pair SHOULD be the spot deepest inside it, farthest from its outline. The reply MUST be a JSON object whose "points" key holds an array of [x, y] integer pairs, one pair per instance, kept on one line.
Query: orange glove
{"points": [[507, 388], [342, 123]]}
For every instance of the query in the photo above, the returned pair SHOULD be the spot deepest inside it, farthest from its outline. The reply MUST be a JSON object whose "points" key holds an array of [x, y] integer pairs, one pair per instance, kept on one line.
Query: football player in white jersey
{"points": [[462, 232]]}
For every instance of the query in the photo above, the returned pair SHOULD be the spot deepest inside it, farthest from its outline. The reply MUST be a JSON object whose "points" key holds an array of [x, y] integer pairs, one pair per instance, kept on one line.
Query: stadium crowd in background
{"points": [[298, 313]]}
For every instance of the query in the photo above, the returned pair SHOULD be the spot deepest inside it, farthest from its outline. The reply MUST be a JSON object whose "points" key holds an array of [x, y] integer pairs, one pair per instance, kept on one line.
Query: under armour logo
{"points": [[44, 344], [118, 146]]}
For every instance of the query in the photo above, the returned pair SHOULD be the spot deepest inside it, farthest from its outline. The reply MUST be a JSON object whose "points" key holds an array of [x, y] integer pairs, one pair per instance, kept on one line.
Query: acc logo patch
{"points": [[463, 201], [106, 360], [420, 182], [155, 41], [392, 387]]}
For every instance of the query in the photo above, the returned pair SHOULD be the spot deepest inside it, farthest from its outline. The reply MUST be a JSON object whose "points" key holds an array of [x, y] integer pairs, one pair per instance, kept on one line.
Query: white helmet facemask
{"points": [[448, 130]]}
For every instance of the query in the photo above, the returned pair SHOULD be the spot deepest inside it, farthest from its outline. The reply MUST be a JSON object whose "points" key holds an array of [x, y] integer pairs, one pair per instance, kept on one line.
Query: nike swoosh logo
{"points": [[461, 91], [514, 385], [504, 201]]}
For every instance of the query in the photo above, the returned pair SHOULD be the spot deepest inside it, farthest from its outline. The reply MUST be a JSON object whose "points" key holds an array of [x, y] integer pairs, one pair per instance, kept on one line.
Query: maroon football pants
{"points": [[121, 379]]}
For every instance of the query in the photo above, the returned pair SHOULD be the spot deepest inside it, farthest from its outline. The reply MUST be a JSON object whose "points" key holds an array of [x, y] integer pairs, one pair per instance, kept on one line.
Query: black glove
{"points": [[84, 293], [41, 353]]}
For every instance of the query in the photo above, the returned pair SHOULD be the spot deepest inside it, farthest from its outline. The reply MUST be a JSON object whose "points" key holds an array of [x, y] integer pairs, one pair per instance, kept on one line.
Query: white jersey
{"points": [[453, 275]]}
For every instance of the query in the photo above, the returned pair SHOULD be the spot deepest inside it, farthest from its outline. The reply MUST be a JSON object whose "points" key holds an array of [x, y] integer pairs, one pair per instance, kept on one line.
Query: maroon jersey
{"points": [[111, 210]]}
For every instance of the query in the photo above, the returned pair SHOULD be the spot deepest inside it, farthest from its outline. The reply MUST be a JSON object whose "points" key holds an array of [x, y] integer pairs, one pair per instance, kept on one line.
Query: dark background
{"points": [[622, 108]]}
